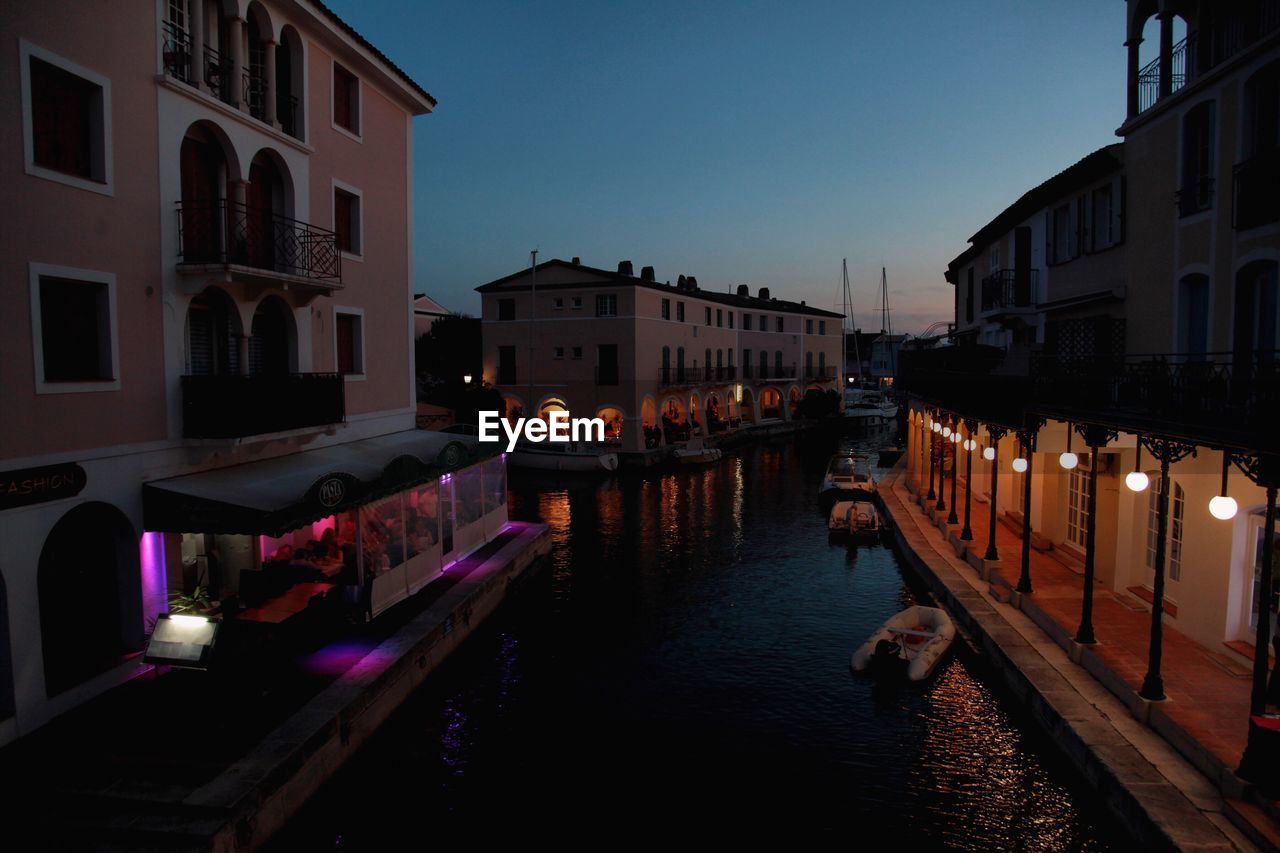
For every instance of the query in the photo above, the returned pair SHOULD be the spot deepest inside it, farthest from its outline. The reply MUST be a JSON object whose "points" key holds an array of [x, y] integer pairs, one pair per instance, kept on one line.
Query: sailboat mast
{"points": [[885, 319]]}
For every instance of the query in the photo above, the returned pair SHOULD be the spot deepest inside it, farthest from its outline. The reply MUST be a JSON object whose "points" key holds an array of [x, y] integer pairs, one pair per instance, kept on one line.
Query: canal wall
{"points": [[1164, 801], [252, 799]]}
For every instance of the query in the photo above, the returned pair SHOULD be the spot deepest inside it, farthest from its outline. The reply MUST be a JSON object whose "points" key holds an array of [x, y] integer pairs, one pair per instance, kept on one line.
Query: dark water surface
{"points": [[683, 664]]}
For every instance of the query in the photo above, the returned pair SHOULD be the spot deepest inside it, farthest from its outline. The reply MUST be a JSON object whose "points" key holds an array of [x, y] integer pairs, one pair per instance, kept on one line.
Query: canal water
{"points": [[683, 666]]}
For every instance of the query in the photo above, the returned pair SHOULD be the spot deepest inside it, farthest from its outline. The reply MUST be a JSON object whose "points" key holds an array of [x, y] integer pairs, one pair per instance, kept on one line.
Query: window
{"points": [[666, 309], [576, 303], [1193, 314], [346, 220], [764, 323], [808, 327], [808, 364], [1063, 244], [746, 322], [780, 326], [607, 305], [1196, 192], [506, 365], [1173, 559], [348, 332], [731, 313], [993, 260], [74, 329], [822, 364], [1078, 501], [506, 309], [577, 352], [708, 315], [558, 304], [720, 318], [968, 297], [346, 100], [67, 121], [559, 352], [822, 327], [680, 312], [777, 362]]}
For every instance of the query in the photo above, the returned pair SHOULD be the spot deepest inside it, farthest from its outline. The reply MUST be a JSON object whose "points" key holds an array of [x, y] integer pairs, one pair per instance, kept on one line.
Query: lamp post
{"points": [[996, 434], [1097, 438], [1257, 764], [971, 427], [944, 432], [1027, 436], [955, 470], [1168, 452]]}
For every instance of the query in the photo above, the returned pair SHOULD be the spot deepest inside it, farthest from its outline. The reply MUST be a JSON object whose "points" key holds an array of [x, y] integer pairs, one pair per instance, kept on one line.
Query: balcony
{"points": [[239, 406], [1257, 191], [822, 373], [1195, 197], [258, 244], [1010, 291], [696, 375]]}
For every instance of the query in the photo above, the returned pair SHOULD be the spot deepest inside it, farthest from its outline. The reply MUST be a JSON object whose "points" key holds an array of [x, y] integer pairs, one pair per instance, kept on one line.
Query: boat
{"points": [[574, 457], [912, 642], [849, 474], [856, 519], [696, 453], [869, 408]]}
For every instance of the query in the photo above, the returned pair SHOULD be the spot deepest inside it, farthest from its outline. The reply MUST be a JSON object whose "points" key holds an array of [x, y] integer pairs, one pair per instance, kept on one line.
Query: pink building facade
{"points": [[211, 267], [660, 363]]}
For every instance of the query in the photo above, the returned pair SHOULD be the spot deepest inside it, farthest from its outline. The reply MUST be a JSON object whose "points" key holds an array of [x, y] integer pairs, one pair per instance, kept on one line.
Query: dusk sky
{"points": [[742, 142]]}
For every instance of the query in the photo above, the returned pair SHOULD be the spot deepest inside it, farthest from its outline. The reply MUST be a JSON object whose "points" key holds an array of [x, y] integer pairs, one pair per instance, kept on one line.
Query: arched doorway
{"points": [[513, 409], [550, 405], [716, 416], [204, 178], [271, 348], [695, 415], [649, 421], [266, 199], [90, 595], [748, 406], [675, 421], [213, 335], [258, 30], [290, 107], [613, 423], [770, 403], [793, 401]]}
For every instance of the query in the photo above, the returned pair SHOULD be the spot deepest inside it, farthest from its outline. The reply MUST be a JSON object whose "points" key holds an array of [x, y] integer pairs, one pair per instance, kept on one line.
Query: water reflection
{"points": [[686, 659]]}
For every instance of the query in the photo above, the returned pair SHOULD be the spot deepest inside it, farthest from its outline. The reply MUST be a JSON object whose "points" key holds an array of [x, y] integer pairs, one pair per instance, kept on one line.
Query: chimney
{"points": [[624, 268], [693, 283], [682, 283], [577, 261], [764, 293], [646, 274], [743, 290], [801, 303]]}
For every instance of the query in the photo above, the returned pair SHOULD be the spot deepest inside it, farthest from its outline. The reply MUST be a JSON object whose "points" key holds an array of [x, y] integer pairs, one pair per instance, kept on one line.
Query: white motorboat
{"points": [[696, 453], [850, 474], [856, 519], [913, 641], [568, 457], [869, 408]]}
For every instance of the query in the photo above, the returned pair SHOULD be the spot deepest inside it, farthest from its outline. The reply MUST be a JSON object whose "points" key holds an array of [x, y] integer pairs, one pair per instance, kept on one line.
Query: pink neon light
{"points": [[155, 584]]}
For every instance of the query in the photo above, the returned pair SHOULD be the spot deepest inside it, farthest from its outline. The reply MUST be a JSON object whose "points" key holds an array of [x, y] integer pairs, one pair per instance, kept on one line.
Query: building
{"points": [[885, 355], [1115, 335], [660, 363], [208, 355], [425, 313]]}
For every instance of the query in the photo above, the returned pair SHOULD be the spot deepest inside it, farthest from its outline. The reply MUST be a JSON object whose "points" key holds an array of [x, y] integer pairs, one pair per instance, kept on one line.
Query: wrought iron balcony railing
{"points": [[1257, 190], [253, 92], [237, 406], [227, 232], [1195, 197], [176, 51], [217, 75], [1010, 288]]}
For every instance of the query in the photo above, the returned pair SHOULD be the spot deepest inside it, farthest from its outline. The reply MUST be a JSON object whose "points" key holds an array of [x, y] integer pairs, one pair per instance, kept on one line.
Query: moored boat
{"points": [[696, 453], [913, 641], [856, 519], [851, 474], [566, 457]]}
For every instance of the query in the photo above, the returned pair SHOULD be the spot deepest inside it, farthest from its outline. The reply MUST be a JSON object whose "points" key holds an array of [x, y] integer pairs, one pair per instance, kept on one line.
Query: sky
{"points": [[741, 142]]}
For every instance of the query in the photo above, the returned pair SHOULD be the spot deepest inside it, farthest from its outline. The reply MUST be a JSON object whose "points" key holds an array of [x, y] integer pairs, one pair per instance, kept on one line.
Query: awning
{"points": [[273, 496]]}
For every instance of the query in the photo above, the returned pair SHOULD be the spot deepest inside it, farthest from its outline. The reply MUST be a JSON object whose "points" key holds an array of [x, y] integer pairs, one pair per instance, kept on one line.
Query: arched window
{"points": [[1255, 184], [271, 349], [213, 335], [89, 585], [1255, 316], [290, 105], [204, 177], [777, 362]]}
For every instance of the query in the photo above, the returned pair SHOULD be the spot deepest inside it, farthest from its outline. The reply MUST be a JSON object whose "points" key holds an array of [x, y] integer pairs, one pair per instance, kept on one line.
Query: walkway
{"points": [[1140, 772]]}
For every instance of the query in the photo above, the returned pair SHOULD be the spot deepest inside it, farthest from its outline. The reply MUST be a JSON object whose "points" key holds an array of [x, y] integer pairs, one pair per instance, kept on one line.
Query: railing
{"points": [[822, 373], [238, 406], [1010, 288], [253, 92], [176, 51], [217, 75], [287, 114], [1195, 197], [695, 375], [1257, 190], [1149, 76], [227, 232]]}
